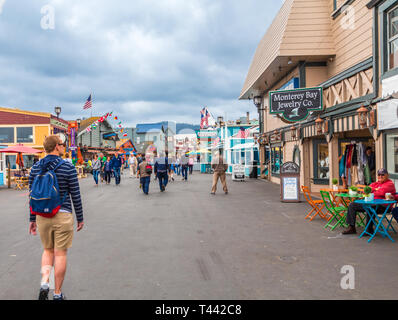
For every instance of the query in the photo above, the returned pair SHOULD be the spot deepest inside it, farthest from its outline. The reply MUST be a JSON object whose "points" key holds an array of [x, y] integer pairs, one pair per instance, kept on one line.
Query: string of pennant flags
{"points": [[105, 117]]}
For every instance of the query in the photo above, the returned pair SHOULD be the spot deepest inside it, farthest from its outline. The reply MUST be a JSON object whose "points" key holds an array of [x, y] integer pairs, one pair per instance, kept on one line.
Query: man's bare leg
{"points": [[47, 262], [59, 269]]}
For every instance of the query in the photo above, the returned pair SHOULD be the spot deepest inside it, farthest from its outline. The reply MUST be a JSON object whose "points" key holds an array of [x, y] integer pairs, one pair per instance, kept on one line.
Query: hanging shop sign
{"points": [[295, 105], [207, 134], [387, 114], [290, 182]]}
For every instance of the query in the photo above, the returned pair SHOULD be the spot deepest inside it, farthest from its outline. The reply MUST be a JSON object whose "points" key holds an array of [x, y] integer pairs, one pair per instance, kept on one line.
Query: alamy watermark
{"points": [[48, 20], [2, 2], [348, 280], [348, 20]]}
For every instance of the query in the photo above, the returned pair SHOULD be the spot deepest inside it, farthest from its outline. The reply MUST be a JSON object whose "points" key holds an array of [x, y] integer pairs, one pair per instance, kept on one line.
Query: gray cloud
{"points": [[147, 60]]}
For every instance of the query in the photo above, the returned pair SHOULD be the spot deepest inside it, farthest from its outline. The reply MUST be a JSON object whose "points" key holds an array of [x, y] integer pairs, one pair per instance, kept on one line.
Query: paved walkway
{"points": [[187, 244]]}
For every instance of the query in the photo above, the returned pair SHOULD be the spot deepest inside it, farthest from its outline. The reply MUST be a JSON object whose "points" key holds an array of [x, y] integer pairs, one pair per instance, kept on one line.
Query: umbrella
{"points": [[20, 149]]}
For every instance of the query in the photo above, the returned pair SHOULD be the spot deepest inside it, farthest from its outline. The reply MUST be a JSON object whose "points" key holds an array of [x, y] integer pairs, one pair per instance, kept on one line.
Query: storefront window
{"points": [[276, 159], [393, 38], [321, 162], [6, 135], [25, 135], [12, 160], [392, 152]]}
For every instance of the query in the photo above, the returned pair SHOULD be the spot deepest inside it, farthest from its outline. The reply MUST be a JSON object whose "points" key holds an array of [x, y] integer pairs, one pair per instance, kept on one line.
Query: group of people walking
{"points": [[106, 168], [163, 169]]}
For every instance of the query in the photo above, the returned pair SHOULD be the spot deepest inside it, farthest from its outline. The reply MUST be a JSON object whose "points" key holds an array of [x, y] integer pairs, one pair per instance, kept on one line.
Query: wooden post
{"points": [[9, 175]]}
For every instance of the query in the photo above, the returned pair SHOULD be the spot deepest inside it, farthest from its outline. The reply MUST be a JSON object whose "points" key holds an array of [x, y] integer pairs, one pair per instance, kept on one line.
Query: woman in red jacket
{"points": [[379, 189]]}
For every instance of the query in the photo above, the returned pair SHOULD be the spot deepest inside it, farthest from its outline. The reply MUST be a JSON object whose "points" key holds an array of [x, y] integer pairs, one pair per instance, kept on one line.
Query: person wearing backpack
{"points": [[161, 169], [145, 171], [54, 186]]}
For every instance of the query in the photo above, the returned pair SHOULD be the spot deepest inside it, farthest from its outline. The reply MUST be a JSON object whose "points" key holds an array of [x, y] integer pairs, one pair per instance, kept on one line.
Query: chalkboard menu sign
{"points": [[290, 182]]}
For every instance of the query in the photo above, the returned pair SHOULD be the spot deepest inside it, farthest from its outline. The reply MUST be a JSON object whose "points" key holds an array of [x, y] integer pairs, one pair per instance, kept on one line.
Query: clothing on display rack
{"points": [[354, 164]]}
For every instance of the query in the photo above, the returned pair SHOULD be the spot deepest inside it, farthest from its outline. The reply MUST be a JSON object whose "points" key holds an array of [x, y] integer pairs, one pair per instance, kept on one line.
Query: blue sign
{"points": [[292, 84]]}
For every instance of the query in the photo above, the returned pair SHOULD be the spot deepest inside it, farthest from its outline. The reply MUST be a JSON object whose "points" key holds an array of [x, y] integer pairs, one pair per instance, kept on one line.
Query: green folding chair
{"points": [[339, 214]]}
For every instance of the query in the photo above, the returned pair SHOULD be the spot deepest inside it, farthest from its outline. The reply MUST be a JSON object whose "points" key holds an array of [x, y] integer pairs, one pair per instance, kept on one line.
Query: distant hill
{"points": [[182, 126]]}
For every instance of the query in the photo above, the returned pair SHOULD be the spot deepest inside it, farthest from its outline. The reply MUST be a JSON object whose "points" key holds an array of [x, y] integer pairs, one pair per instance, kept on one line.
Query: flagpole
{"points": [[92, 105]]}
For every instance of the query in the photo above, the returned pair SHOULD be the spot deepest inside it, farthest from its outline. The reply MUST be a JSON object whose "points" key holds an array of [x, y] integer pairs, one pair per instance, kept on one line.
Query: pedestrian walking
{"points": [[161, 171], [190, 164], [102, 172], [172, 169], [144, 172], [108, 170], [96, 163], [219, 167], [55, 226], [116, 165], [184, 166], [178, 166], [67, 159], [133, 166]]}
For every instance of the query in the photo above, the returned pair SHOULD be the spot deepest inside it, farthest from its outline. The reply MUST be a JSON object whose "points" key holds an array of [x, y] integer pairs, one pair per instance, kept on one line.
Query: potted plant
{"points": [[369, 196], [335, 184], [353, 191]]}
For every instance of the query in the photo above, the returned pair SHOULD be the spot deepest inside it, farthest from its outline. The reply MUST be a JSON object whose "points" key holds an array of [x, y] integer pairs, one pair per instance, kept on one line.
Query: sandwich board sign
{"points": [[290, 182]]}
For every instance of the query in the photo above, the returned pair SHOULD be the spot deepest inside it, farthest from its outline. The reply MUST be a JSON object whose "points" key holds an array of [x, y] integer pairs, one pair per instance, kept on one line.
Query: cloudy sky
{"points": [[145, 60]]}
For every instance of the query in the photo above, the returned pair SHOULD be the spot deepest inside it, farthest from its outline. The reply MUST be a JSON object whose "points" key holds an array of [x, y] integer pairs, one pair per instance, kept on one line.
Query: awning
{"points": [[249, 145]]}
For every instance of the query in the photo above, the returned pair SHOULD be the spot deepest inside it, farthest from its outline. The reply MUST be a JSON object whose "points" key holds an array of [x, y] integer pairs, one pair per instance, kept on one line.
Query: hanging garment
{"points": [[349, 157], [361, 179], [342, 166], [354, 159], [354, 171], [349, 177]]}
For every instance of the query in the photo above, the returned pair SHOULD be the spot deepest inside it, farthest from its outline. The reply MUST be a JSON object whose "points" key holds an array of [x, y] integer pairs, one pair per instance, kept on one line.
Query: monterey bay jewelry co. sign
{"points": [[295, 105]]}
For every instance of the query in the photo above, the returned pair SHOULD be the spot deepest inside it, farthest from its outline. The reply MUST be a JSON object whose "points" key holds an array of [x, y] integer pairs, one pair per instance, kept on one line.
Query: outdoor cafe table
{"points": [[332, 194], [346, 203], [371, 209], [344, 196]]}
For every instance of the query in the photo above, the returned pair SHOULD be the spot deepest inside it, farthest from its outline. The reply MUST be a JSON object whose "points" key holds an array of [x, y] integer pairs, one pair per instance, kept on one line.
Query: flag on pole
{"points": [[243, 134], [88, 103], [204, 118]]}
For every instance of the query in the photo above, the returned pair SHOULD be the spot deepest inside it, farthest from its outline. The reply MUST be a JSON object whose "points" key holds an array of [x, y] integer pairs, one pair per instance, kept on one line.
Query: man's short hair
{"points": [[368, 148], [50, 143]]}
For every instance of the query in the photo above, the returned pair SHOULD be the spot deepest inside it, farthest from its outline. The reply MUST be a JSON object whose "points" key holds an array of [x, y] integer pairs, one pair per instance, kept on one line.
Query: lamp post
{"points": [[258, 102], [57, 111]]}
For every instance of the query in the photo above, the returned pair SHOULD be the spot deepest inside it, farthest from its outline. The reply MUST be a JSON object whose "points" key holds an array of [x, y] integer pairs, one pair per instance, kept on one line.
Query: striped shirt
{"points": [[67, 181]]}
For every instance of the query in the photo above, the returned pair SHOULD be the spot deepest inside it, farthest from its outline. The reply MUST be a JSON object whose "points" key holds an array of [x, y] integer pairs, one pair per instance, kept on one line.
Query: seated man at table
{"points": [[379, 189]]}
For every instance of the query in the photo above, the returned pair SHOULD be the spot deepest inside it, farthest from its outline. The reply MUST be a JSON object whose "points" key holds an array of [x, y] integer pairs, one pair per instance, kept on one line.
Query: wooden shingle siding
{"points": [[291, 33], [352, 45]]}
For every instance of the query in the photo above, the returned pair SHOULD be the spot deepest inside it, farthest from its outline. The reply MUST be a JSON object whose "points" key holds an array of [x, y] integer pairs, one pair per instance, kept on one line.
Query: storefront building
{"points": [[326, 47], [386, 40], [27, 128]]}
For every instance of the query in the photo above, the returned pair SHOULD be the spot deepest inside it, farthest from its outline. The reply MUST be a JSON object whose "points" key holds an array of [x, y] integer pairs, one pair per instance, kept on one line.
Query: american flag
{"points": [[216, 142], [204, 118], [243, 134], [88, 103]]}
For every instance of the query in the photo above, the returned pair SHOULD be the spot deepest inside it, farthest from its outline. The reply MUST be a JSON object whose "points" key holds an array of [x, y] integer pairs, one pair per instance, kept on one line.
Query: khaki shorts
{"points": [[56, 232]]}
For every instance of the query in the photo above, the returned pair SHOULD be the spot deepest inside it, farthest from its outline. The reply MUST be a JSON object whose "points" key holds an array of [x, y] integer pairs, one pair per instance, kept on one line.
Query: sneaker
{"points": [[62, 297], [43, 295]]}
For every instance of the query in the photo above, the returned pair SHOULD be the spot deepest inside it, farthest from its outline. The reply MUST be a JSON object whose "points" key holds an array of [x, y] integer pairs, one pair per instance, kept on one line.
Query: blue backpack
{"points": [[45, 198]]}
